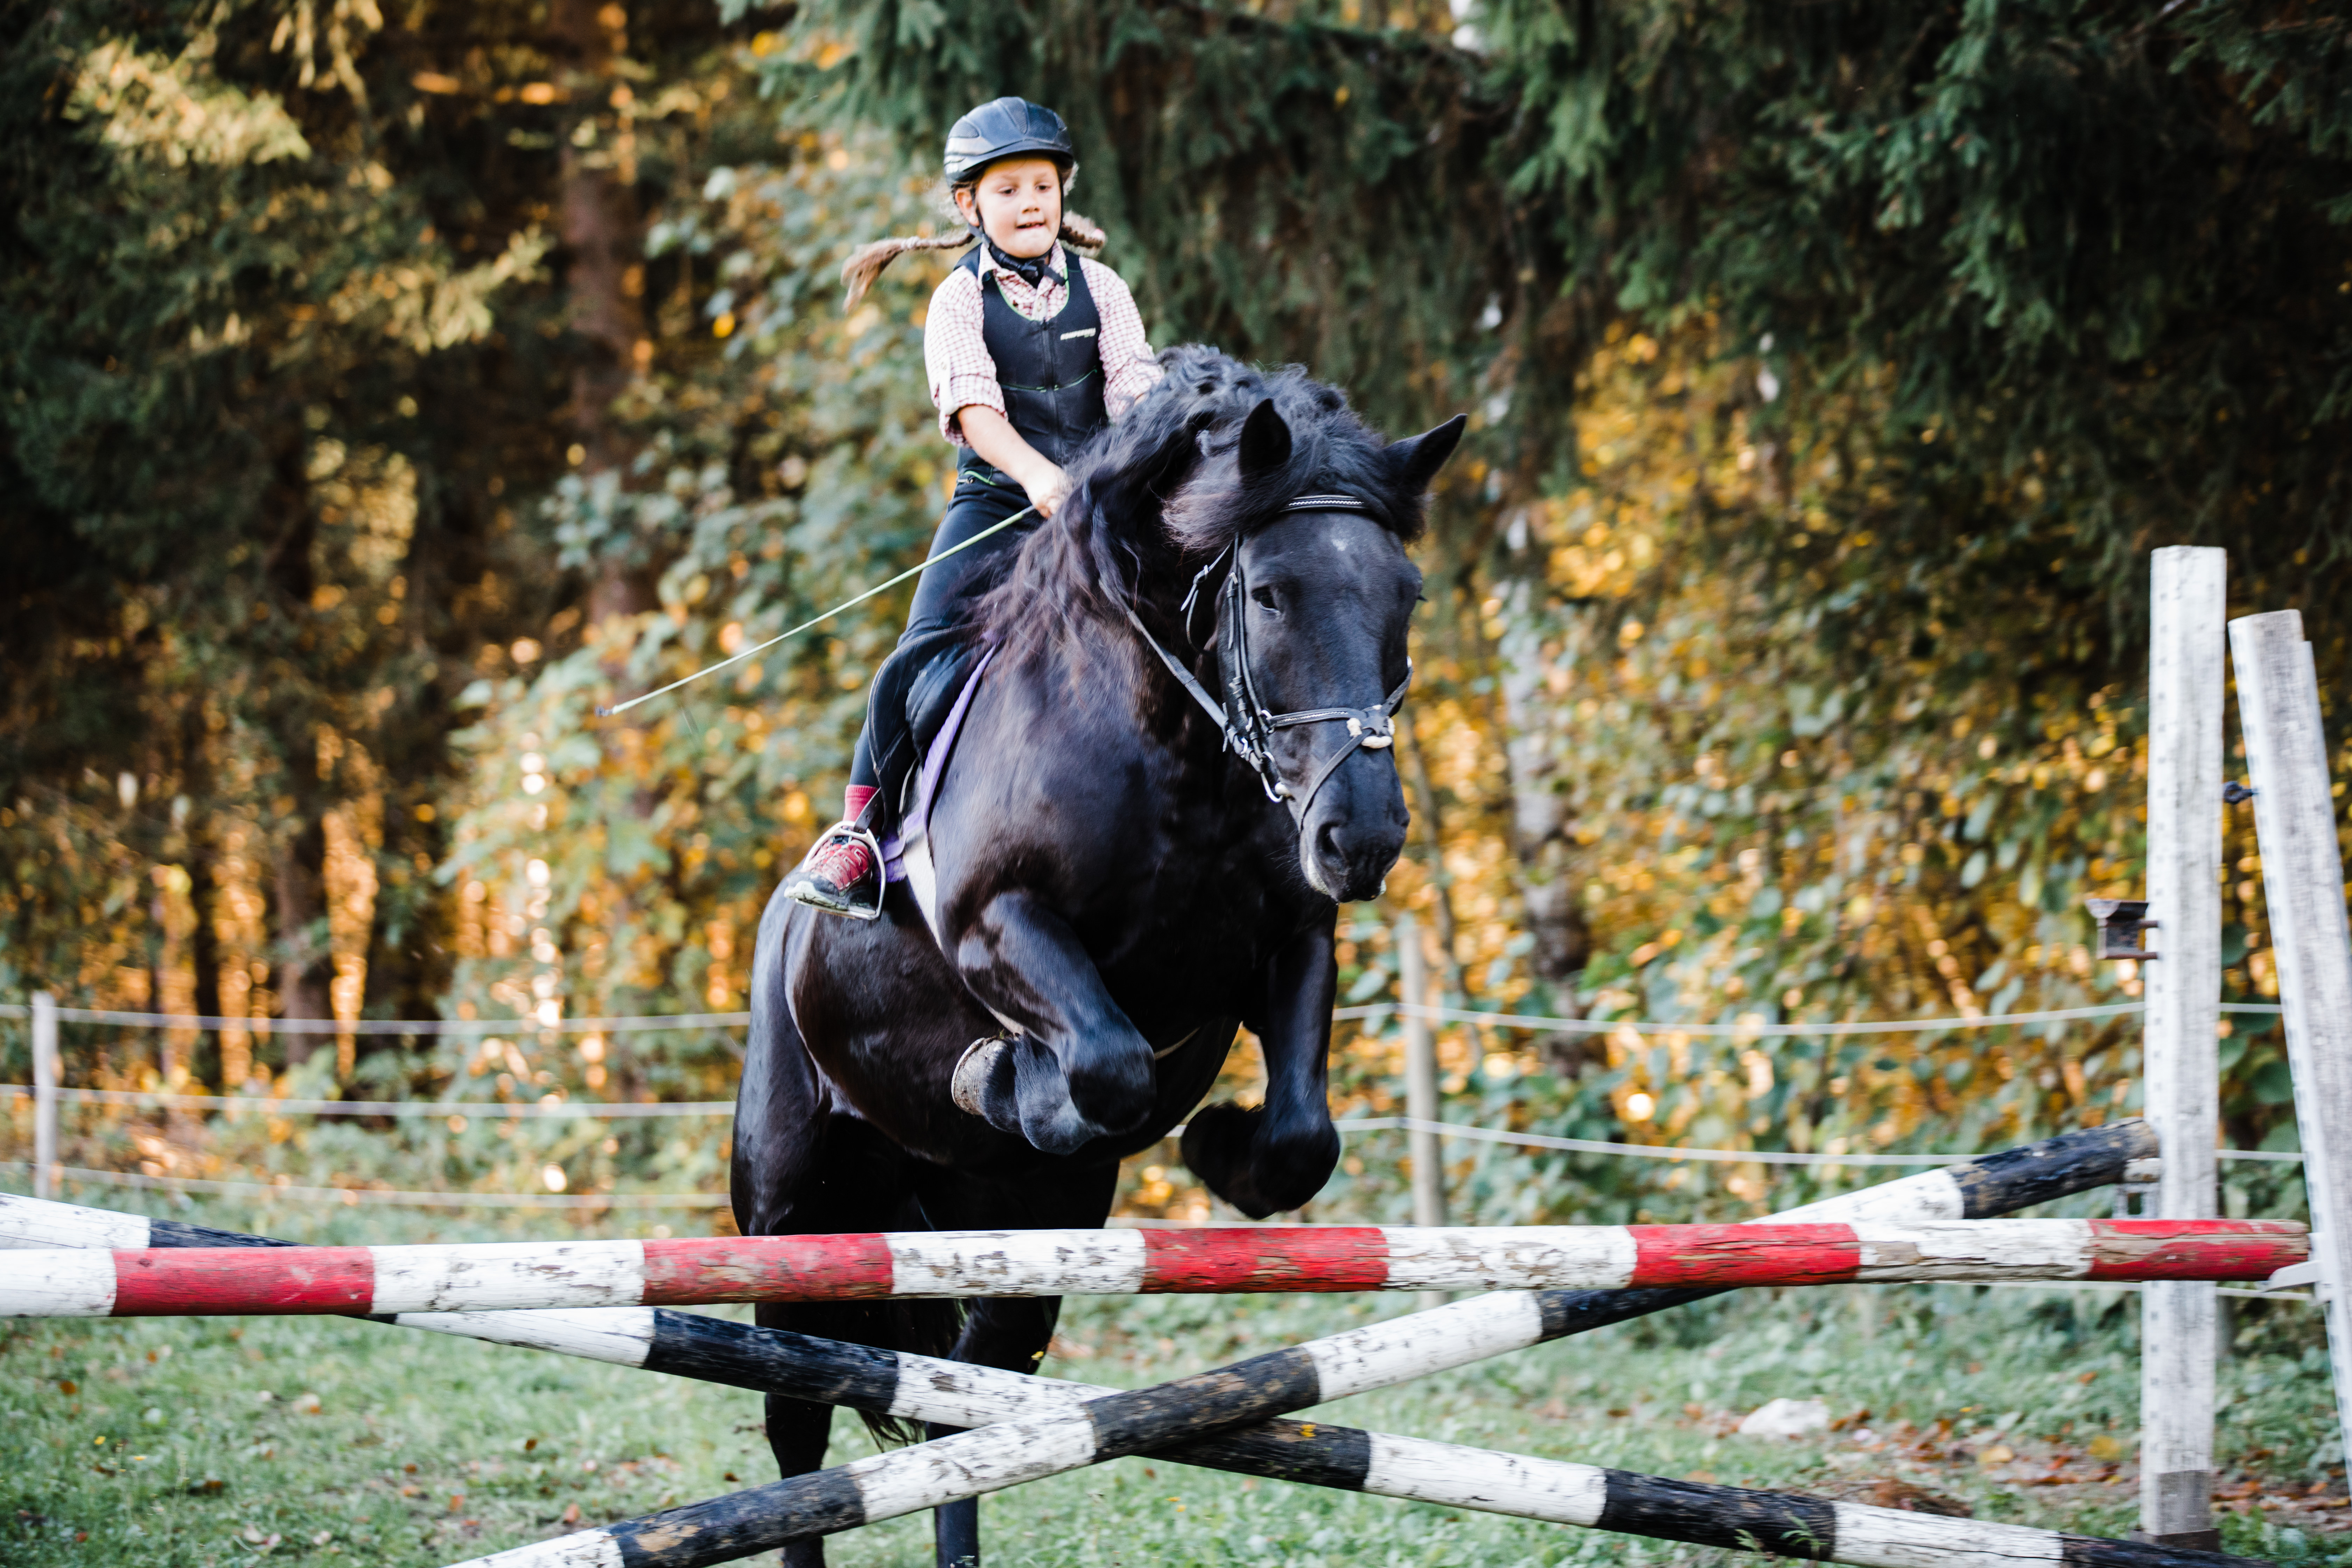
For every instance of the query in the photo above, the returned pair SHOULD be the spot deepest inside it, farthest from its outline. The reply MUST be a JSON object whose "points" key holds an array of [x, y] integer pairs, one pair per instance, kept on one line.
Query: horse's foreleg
{"points": [[1079, 1070], [1279, 1155]]}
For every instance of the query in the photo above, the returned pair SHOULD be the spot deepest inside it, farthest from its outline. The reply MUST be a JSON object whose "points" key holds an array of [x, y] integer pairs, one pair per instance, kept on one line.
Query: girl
{"points": [[1030, 350]]}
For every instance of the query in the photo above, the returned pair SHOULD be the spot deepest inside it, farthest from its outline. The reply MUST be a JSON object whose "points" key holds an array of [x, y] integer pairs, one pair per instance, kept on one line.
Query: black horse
{"points": [[1117, 879]]}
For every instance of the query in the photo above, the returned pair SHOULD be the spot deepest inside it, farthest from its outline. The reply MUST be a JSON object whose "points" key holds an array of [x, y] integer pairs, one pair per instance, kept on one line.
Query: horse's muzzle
{"points": [[1347, 856]]}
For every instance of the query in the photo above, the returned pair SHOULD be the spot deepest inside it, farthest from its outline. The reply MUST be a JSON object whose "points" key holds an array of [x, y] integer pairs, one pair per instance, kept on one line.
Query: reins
{"points": [[1247, 726]]}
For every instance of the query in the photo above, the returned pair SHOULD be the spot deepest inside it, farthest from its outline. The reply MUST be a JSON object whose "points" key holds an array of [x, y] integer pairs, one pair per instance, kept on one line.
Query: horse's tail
{"points": [[928, 1327]]}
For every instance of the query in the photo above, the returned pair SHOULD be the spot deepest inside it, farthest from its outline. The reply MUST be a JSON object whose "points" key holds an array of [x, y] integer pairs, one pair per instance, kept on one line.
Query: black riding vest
{"points": [[1050, 372]]}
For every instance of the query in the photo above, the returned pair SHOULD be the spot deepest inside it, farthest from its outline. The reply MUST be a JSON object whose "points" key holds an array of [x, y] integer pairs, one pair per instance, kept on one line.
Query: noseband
{"points": [[1248, 728]]}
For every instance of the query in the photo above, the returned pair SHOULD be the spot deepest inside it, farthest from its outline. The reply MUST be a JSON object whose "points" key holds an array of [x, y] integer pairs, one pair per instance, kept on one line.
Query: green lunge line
{"points": [[815, 620]]}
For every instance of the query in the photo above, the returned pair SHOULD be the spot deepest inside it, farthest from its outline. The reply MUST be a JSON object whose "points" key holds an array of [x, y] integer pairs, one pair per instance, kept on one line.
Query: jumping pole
{"points": [[1116, 1425], [771, 1362], [695, 1272]]}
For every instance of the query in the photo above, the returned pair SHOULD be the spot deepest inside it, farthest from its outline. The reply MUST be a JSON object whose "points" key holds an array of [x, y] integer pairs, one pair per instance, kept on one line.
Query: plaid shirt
{"points": [[956, 353]]}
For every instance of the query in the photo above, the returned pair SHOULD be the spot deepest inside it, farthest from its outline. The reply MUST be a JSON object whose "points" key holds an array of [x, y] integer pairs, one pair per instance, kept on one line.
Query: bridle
{"points": [[1247, 727]]}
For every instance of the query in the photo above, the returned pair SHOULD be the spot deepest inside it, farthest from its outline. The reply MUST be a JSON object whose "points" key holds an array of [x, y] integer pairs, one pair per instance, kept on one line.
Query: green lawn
{"points": [[219, 1443]]}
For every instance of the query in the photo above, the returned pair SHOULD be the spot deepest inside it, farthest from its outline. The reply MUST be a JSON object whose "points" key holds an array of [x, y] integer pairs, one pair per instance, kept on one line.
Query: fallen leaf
{"points": [[1910, 1499]]}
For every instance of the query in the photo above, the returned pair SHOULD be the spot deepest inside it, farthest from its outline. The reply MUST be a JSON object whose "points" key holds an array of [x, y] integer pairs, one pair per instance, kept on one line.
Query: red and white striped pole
{"points": [[226, 1281]]}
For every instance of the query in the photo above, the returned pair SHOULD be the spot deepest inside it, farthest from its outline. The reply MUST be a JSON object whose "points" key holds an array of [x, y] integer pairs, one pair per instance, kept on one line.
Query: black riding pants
{"points": [[885, 746]]}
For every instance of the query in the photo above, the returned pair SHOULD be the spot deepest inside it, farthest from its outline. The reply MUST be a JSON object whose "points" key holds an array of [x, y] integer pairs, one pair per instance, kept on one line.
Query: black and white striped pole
{"points": [[1190, 1417]]}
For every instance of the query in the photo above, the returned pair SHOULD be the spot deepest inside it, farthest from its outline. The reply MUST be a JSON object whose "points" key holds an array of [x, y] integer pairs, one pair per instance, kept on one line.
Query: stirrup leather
{"points": [[802, 888]]}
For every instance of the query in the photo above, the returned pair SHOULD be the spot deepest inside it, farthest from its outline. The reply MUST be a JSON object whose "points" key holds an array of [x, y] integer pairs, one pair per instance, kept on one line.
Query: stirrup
{"points": [[803, 888]]}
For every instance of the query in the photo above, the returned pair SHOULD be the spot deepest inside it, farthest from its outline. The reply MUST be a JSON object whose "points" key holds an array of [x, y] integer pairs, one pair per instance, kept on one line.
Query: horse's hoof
{"points": [[1253, 1163], [969, 1086]]}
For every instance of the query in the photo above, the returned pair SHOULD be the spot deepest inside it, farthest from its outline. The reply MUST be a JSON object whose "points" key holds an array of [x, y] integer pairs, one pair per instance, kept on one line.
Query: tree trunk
{"points": [[1550, 354], [299, 872], [1540, 826], [301, 889], [604, 272], [1441, 881]]}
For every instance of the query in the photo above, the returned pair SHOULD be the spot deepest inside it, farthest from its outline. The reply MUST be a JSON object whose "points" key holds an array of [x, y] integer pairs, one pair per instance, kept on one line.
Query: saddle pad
{"points": [[907, 856]]}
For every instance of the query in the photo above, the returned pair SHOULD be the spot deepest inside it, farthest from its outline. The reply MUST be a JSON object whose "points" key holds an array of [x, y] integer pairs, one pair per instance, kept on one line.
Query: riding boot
{"points": [[842, 872]]}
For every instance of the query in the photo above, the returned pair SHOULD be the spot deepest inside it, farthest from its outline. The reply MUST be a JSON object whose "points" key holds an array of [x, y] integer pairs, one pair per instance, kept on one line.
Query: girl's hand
{"points": [[994, 438], [1046, 485]]}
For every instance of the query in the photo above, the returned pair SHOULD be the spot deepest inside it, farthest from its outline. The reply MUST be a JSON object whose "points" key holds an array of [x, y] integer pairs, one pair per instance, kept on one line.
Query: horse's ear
{"points": [[1265, 443], [1416, 460]]}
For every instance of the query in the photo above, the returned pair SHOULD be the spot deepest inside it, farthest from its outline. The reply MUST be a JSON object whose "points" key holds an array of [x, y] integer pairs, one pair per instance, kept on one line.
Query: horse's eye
{"points": [[1264, 598]]}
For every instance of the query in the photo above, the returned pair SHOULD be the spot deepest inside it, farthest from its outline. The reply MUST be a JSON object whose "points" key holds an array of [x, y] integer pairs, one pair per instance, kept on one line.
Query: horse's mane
{"points": [[1163, 489]]}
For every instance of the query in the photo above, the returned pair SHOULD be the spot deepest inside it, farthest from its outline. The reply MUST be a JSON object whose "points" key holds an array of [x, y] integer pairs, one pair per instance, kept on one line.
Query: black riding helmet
{"points": [[1006, 128]]}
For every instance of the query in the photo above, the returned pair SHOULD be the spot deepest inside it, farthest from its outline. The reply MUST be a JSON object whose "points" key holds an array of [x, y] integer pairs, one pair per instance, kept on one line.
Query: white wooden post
{"points": [[2182, 1068], [2302, 884], [1420, 1077], [45, 1094]]}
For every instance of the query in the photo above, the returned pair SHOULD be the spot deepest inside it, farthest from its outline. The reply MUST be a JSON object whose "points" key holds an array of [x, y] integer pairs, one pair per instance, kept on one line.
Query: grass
{"points": [[222, 1443]]}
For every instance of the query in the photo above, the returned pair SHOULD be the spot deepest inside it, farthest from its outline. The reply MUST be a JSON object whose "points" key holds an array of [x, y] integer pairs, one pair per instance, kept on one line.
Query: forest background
{"points": [[387, 382]]}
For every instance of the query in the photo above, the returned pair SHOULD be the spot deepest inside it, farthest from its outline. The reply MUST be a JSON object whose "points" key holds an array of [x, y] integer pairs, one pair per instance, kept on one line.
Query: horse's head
{"points": [[1310, 514]]}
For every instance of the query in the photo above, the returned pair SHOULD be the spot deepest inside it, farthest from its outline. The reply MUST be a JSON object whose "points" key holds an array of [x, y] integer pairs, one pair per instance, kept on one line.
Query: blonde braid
{"points": [[858, 273]]}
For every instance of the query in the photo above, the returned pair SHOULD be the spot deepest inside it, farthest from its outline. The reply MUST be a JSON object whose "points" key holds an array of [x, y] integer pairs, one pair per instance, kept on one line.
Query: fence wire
{"points": [[550, 1108]]}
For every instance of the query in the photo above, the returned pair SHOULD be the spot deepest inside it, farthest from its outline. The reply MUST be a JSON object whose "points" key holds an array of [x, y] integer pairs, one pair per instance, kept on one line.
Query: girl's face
{"points": [[1017, 204]]}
